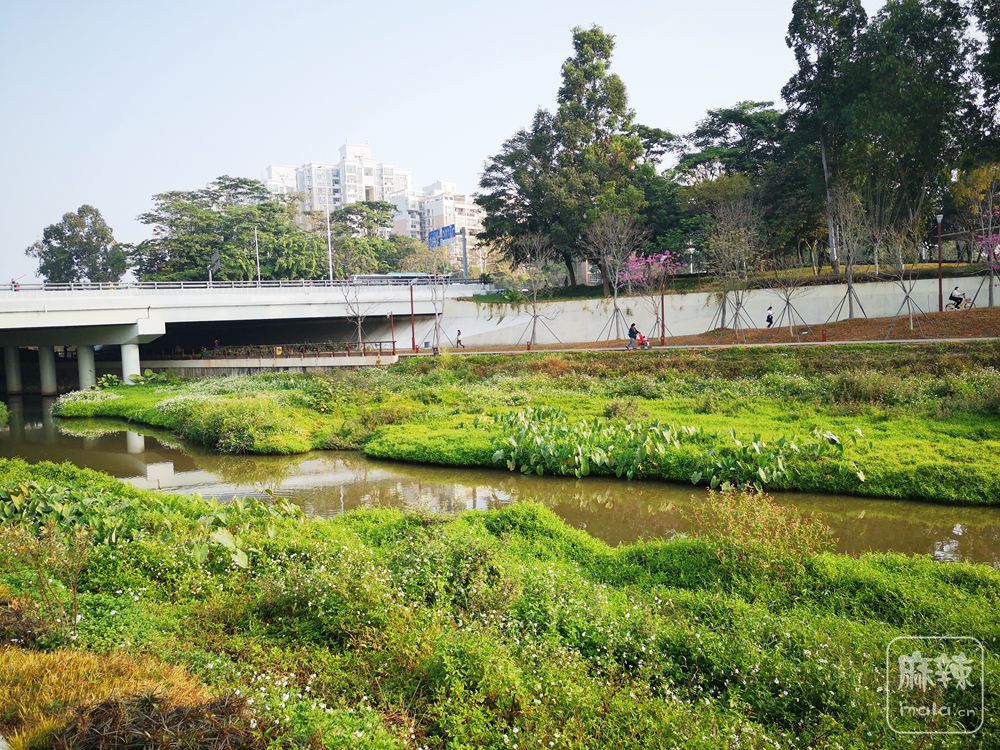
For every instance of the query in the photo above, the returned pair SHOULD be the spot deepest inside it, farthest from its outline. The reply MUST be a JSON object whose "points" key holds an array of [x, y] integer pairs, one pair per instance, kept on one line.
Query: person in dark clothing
{"points": [[770, 317], [633, 334]]}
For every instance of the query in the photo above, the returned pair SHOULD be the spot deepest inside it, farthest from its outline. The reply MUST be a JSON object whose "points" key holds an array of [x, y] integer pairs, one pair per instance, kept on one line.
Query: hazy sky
{"points": [[109, 102]]}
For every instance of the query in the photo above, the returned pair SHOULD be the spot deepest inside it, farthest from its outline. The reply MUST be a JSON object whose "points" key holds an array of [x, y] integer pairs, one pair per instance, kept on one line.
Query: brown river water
{"points": [[331, 482]]}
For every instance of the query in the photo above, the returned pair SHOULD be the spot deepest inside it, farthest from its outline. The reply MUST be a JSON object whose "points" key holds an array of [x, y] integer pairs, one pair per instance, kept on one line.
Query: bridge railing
{"points": [[283, 351], [262, 284]]}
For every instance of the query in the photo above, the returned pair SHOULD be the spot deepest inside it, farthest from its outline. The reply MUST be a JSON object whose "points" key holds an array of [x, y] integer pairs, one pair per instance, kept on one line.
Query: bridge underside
{"points": [[87, 349]]}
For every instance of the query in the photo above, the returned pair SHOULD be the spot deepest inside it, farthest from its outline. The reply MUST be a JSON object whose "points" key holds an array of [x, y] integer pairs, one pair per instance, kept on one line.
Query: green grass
{"points": [[382, 629], [929, 414]]}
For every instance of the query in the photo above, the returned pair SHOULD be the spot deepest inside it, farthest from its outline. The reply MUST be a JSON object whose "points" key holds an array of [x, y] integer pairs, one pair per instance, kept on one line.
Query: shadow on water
{"points": [[328, 483]]}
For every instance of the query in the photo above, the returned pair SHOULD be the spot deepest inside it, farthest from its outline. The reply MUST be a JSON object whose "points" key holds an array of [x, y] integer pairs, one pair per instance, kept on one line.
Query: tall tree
{"points": [[570, 167], [81, 247], [907, 118], [824, 36]]}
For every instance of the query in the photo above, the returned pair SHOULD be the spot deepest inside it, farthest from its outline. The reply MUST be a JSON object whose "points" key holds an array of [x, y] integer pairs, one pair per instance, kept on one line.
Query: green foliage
{"points": [[220, 226], [81, 247], [783, 417], [380, 629], [108, 380]]}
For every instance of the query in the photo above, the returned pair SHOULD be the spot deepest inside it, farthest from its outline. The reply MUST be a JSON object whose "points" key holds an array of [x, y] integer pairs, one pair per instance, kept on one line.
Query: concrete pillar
{"points": [[130, 362], [12, 368], [135, 442], [47, 370], [85, 366], [50, 435]]}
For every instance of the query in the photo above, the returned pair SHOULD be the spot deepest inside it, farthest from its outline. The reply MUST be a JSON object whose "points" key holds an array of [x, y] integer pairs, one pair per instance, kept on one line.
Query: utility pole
{"points": [[465, 255], [256, 249], [329, 246], [413, 323], [940, 280]]}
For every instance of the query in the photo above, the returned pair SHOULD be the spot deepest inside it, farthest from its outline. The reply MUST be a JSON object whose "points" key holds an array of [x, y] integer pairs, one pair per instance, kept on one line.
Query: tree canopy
{"points": [[81, 247]]}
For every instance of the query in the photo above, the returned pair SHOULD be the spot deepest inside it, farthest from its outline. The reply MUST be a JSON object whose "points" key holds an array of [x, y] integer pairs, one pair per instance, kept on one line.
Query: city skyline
{"points": [[114, 103]]}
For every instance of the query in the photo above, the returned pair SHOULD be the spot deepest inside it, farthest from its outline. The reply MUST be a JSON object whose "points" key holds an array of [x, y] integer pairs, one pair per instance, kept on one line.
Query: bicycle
{"points": [[965, 304]]}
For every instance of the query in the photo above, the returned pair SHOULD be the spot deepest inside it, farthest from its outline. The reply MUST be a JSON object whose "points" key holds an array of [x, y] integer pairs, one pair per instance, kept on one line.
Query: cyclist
{"points": [[957, 298]]}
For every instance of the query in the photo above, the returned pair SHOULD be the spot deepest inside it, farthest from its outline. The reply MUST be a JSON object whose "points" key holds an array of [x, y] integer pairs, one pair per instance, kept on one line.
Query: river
{"points": [[331, 482]]}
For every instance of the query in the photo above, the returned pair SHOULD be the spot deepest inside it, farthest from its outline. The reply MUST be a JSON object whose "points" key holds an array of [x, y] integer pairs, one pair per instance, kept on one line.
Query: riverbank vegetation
{"points": [[910, 421], [124, 611]]}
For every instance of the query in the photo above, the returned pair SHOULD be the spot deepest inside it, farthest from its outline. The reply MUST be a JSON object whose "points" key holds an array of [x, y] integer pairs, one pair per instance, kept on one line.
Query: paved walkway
{"points": [[682, 347]]}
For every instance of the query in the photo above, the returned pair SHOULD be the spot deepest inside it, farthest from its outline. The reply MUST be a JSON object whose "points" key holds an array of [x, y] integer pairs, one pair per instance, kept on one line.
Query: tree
{"points": [[427, 260], [536, 254], [81, 247], [569, 167], [854, 234], [191, 229], [743, 138], [610, 241], [907, 118], [735, 252], [650, 275], [365, 217]]}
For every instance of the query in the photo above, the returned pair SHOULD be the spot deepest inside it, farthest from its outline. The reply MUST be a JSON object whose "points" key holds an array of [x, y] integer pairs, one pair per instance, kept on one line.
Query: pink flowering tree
{"points": [[649, 276]]}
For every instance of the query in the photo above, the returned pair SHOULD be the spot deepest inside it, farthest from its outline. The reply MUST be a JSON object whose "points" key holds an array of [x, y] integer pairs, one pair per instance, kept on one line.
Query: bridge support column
{"points": [[47, 370], [85, 366], [130, 362], [12, 369]]}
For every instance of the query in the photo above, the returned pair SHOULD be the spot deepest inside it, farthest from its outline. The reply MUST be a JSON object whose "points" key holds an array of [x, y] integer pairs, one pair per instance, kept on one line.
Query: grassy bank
{"points": [[502, 629], [913, 421]]}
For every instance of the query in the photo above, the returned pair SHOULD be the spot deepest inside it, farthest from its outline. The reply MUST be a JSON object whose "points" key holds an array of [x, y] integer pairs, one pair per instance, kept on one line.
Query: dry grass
{"points": [[40, 692]]}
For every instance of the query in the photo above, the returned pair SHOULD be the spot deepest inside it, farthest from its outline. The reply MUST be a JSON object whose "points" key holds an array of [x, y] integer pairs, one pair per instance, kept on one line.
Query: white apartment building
{"points": [[358, 176], [440, 205]]}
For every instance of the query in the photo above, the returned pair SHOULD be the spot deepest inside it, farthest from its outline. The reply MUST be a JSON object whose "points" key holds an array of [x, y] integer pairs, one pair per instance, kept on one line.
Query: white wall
{"points": [[579, 321]]}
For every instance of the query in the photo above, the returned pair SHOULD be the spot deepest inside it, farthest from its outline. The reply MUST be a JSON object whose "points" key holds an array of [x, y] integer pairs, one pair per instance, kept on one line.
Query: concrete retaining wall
{"points": [[579, 321]]}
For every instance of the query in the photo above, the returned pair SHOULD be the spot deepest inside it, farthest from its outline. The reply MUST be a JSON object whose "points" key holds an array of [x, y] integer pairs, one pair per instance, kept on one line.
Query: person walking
{"points": [[633, 334], [458, 339], [770, 317]]}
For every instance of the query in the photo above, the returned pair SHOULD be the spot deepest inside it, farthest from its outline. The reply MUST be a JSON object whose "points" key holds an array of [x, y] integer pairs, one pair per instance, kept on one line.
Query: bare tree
{"points": [[610, 242], [351, 256], [537, 255], [788, 285], [905, 245], [734, 253], [854, 233]]}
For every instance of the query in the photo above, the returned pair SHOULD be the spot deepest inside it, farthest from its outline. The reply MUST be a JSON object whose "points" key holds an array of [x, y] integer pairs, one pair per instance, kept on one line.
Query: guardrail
{"points": [[283, 351], [262, 284]]}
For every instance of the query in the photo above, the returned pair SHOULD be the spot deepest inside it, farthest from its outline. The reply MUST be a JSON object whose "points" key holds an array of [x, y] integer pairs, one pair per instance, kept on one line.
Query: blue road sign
{"points": [[448, 232], [434, 238]]}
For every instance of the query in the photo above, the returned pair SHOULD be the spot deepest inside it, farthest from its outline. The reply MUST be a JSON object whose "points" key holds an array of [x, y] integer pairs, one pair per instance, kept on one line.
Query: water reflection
{"points": [[329, 483]]}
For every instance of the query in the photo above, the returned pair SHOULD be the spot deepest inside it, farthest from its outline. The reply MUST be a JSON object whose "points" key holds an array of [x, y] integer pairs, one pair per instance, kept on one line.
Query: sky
{"points": [[107, 103]]}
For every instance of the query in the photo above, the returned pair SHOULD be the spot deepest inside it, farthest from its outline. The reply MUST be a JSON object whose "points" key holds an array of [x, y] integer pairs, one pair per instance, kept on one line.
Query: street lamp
{"points": [[940, 280], [690, 252]]}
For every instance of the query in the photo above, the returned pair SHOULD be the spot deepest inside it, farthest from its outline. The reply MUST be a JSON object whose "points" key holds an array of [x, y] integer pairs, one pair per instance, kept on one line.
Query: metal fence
{"points": [[262, 284], [281, 351]]}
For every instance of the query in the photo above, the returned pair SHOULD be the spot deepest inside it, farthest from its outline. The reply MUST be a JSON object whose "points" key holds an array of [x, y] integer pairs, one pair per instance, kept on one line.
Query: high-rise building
{"points": [[358, 176], [440, 205]]}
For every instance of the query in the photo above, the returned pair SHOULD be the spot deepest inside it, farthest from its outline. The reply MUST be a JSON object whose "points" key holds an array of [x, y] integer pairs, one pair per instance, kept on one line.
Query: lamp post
{"points": [[940, 279], [256, 250], [691, 259], [329, 245]]}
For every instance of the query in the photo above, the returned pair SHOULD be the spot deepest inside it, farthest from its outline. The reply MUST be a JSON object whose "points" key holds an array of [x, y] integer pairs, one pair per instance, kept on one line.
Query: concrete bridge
{"points": [[127, 315]]}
